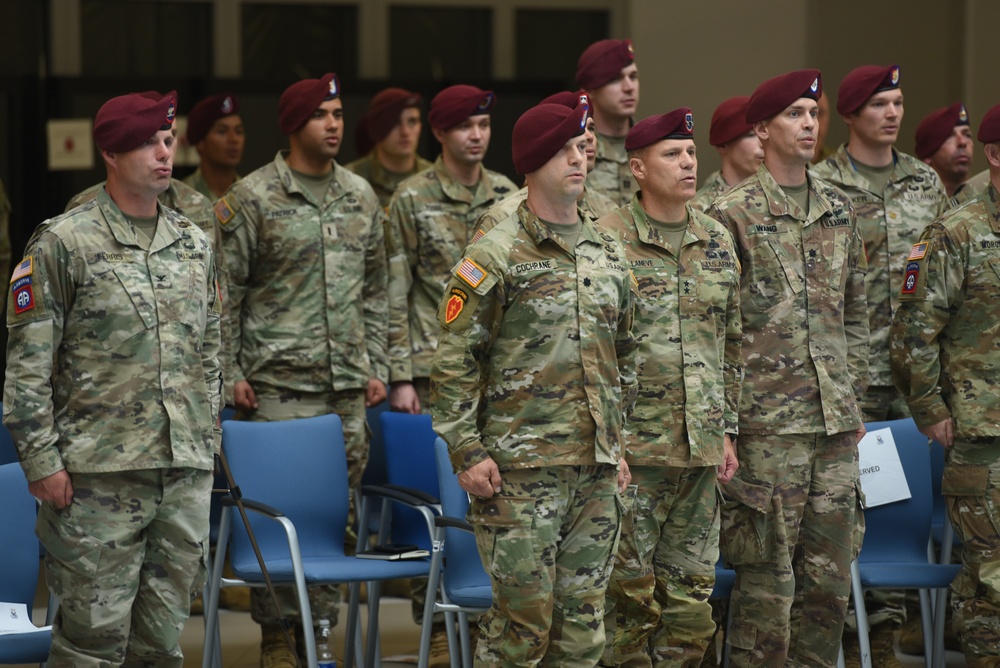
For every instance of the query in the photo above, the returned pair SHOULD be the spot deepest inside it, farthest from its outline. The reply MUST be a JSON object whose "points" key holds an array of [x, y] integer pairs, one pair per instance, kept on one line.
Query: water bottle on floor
{"points": [[324, 645]]}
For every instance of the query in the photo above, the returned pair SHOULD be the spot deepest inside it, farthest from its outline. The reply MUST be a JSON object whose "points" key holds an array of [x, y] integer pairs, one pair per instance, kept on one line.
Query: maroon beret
{"points": [[363, 143], [937, 126], [124, 122], [570, 99], [729, 121], [456, 103], [601, 62], [541, 131], [676, 124], [302, 98], [208, 111], [775, 94], [385, 108], [989, 127], [863, 82]]}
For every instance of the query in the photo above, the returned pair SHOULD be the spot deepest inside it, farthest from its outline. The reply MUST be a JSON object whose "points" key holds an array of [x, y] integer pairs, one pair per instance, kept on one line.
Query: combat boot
{"points": [[274, 649], [883, 640], [440, 654]]}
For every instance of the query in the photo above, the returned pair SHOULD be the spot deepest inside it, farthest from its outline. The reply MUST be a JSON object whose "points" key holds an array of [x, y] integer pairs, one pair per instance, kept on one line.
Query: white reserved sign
{"points": [[14, 618], [882, 477]]}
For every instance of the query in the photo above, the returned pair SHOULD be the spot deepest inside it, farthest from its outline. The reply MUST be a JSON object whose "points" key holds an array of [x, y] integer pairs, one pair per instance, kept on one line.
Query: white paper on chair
{"points": [[14, 618], [882, 478]]}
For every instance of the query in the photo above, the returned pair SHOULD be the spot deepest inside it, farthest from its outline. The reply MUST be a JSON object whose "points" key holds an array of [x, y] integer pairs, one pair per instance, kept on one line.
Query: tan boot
{"points": [[274, 649], [883, 647], [197, 605], [440, 654], [911, 637], [236, 599], [852, 654]]}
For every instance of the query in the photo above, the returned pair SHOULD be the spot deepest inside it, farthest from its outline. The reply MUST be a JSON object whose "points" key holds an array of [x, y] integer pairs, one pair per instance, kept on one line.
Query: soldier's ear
{"points": [[992, 152]]}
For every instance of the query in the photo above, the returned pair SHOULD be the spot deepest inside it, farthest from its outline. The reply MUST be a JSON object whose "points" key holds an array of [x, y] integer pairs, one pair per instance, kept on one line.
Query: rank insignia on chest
{"points": [[911, 276], [223, 211], [470, 272], [456, 302], [918, 251]]}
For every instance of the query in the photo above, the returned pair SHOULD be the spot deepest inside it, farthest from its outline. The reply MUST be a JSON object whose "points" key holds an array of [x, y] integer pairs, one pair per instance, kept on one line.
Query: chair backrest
{"points": [[409, 461], [938, 511], [463, 568], [19, 556], [899, 531], [298, 467], [8, 453], [375, 471]]}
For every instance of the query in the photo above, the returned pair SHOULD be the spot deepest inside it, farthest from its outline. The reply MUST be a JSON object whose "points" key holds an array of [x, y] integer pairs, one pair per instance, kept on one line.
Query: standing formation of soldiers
{"points": [[635, 377]]}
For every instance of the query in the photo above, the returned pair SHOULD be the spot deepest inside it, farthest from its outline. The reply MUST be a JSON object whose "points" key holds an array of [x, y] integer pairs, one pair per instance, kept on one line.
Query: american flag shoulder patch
{"points": [[918, 251], [24, 268], [223, 211], [470, 272]]}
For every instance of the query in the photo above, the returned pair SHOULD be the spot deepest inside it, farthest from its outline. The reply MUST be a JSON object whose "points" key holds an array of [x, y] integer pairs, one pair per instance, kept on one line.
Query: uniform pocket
{"points": [[973, 504], [747, 534], [505, 535], [773, 276]]}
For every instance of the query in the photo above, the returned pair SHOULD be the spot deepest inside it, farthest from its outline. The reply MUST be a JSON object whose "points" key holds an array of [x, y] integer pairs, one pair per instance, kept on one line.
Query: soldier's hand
{"points": [[624, 475], [482, 479], [943, 432], [729, 461], [860, 433], [375, 394], [403, 398], [56, 489], [244, 397]]}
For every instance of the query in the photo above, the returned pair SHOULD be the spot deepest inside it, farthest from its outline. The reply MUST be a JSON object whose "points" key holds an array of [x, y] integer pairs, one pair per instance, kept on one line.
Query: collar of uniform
{"points": [[539, 231], [291, 184], [780, 204], [123, 232], [649, 235], [991, 198], [849, 174], [604, 152], [456, 191]]}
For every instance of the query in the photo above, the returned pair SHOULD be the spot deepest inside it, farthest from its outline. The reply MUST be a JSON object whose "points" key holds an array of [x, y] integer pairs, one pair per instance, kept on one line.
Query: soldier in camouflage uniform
{"points": [[788, 522], [215, 130], [738, 147], [432, 218], [607, 72], [306, 258], [393, 125], [112, 395], [687, 323], [944, 141], [895, 196], [970, 189], [593, 204], [945, 362], [534, 367]]}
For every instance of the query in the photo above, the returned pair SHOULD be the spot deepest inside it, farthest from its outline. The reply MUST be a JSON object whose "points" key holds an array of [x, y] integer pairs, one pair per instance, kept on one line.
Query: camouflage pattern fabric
{"points": [[945, 361], [657, 610], [687, 324], [547, 543], [124, 559], [802, 295], [790, 529], [432, 219], [307, 281], [382, 181], [277, 404], [113, 351], [536, 362], [970, 189], [593, 206], [890, 223], [714, 187], [611, 175], [197, 181]]}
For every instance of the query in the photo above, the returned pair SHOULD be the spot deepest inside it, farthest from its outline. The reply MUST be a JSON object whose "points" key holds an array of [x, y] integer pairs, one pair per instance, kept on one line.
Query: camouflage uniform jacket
{"points": [[593, 206], [611, 175], [970, 189], [714, 187], [537, 358], [112, 362], [687, 324], [945, 348], [913, 198], [197, 182], [382, 181], [433, 218], [802, 296], [307, 281]]}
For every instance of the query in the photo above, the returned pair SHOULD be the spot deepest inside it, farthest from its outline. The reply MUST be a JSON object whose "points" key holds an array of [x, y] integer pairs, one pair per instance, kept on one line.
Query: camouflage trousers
{"points": [[884, 606], [548, 542], [274, 404], [657, 611], [124, 559], [971, 486], [789, 529]]}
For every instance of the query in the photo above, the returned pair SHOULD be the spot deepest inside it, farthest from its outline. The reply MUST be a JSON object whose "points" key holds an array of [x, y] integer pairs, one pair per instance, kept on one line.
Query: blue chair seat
{"points": [[902, 576], [333, 569], [475, 596], [30, 647]]}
